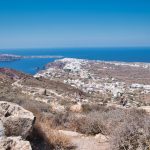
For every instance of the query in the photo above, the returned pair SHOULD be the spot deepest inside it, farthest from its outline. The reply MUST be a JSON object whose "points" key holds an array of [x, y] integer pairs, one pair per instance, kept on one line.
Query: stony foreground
{"points": [[15, 125]]}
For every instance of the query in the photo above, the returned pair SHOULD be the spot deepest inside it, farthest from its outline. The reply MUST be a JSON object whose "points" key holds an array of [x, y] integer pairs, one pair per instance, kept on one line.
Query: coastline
{"points": [[30, 60], [12, 57]]}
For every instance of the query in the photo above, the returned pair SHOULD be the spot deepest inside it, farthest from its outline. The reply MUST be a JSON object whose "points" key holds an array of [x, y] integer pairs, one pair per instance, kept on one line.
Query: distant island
{"points": [[42, 56], [11, 57]]}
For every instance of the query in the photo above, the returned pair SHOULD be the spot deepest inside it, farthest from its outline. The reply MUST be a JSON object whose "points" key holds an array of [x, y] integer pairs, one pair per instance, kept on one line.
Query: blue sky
{"points": [[74, 23]]}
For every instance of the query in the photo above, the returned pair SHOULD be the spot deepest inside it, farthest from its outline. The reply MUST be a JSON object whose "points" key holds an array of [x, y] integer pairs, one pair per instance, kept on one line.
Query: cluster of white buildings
{"points": [[84, 80]]}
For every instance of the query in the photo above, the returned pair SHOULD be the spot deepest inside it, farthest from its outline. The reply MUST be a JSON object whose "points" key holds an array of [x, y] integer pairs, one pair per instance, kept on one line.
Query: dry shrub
{"points": [[94, 122], [60, 119], [36, 106], [87, 124], [53, 137], [133, 133], [44, 135], [91, 107], [129, 129], [102, 121]]}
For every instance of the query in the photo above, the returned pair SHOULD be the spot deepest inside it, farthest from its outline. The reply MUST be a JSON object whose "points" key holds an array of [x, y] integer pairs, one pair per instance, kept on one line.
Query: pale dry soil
{"points": [[83, 142]]}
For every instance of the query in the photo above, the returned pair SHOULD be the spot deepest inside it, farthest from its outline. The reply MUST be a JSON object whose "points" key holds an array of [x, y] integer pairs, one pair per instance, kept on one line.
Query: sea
{"points": [[33, 65]]}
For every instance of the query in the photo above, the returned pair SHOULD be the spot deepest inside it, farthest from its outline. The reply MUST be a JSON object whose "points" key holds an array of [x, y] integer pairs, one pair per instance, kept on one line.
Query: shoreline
{"points": [[11, 57], [35, 68]]}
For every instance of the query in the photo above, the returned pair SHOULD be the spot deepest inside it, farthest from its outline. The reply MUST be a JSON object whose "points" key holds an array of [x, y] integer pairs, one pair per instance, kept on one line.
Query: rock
{"points": [[101, 137], [14, 143], [2, 130], [42, 91], [146, 108], [76, 108], [16, 120], [56, 107], [70, 133]]}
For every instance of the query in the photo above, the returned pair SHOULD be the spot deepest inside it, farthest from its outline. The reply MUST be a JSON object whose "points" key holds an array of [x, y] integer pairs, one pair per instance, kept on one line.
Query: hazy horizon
{"points": [[74, 24], [63, 48]]}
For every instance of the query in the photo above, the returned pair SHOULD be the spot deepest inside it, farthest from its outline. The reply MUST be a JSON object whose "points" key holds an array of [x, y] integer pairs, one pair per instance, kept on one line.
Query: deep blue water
{"points": [[106, 54]]}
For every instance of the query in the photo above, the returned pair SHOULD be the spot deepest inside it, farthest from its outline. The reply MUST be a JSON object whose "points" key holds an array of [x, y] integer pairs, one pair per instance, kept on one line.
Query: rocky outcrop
{"points": [[15, 125], [16, 120], [42, 92], [14, 143]]}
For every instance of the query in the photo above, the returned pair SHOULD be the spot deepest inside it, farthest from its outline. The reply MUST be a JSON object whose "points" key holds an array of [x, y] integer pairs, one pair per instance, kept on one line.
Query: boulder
{"points": [[76, 108], [15, 120], [14, 143], [70, 133], [42, 91]]}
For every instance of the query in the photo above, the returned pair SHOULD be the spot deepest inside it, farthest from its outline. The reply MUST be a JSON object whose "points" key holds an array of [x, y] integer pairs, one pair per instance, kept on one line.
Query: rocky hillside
{"points": [[77, 103], [83, 81]]}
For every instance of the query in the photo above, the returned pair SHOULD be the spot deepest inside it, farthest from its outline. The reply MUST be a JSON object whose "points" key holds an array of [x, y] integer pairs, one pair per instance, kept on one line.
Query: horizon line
{"points": [[95, 47]]}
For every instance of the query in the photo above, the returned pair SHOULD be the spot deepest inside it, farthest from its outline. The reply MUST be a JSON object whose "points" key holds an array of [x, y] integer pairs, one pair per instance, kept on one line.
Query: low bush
{"points": [[133, 133], [55, 139], [91, 107], [102, 121], [45, 137]]}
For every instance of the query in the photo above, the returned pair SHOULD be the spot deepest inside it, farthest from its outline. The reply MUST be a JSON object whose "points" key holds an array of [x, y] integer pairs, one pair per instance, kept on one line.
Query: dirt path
{"points": [[88, 143], [83, 142]]}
